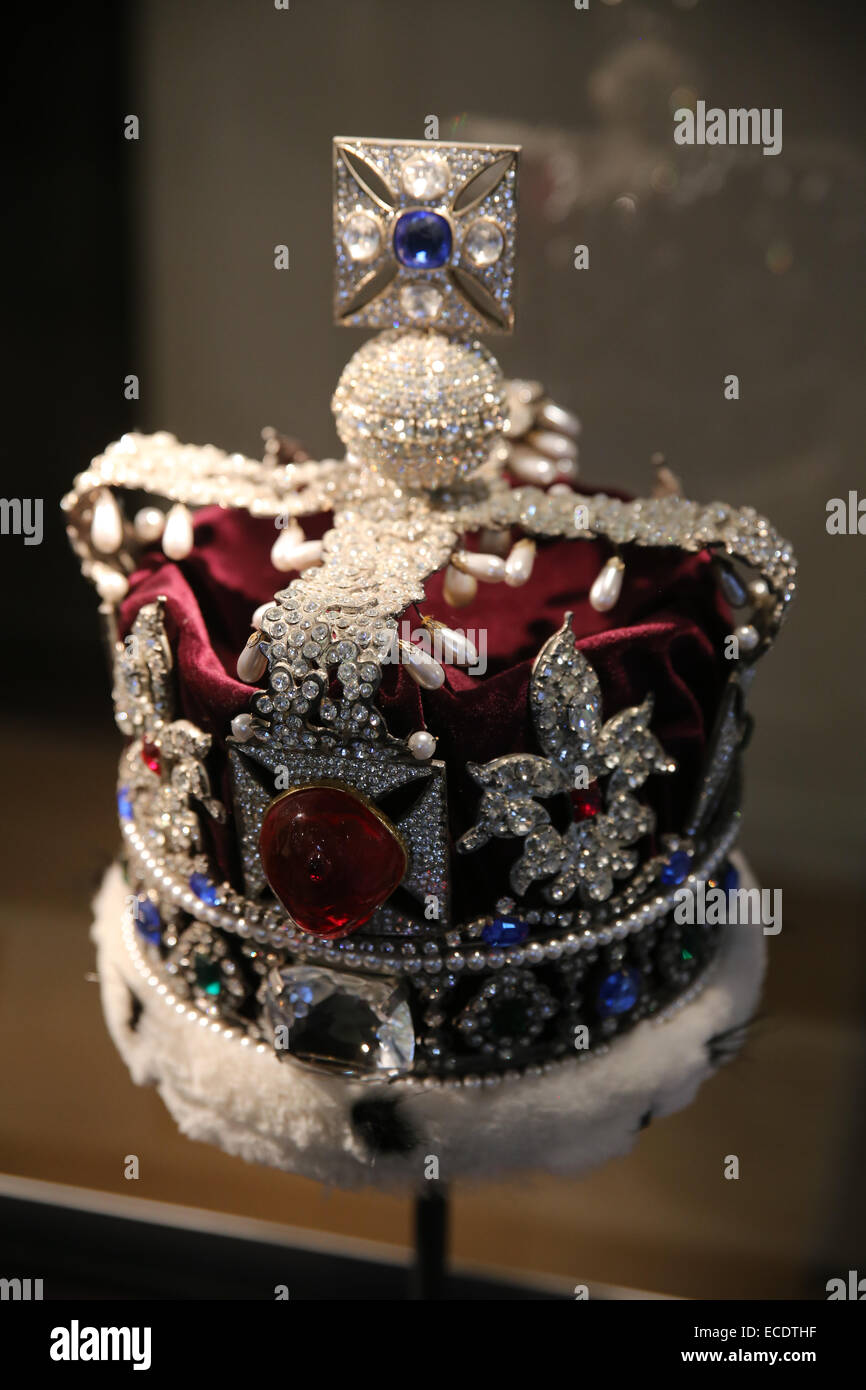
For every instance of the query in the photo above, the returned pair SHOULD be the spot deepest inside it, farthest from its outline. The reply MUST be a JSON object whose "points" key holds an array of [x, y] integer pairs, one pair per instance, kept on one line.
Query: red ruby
{"points": [[330, 857], [586, 801], [150, 757]]}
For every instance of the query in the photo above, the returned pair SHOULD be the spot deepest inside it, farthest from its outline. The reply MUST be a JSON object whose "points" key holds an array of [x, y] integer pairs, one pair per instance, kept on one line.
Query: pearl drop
{"points": [[298, 557], [422, 745], [607, 588], [490, 568], [518, 566], [148, 524], [423, 669], [555, 446], [106, 528], [177, 536], [284, 547], [111, 585], [520, 417], [256, 620], [458, 589], [530, 467], [454, 646], [563, 421], [242, 727], [747, 636], [252, 662]]}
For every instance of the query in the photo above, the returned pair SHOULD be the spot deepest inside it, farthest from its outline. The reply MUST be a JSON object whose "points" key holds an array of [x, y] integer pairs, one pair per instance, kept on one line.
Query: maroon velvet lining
{"points": [[665, 636]]}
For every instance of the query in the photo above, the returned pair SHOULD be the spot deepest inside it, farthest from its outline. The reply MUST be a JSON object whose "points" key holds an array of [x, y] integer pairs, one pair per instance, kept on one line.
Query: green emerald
{"points": [[207, 975]]}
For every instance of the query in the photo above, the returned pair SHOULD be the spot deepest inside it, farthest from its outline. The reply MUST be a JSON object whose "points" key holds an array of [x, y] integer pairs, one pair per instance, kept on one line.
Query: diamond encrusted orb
{"points": [[424, 408]]}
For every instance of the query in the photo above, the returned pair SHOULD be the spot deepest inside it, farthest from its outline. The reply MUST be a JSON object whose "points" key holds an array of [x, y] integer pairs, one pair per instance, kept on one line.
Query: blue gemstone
{"points": [[422, 240], [677, 868], [147, 919], [503, 932], [619, 992], [204, 889], [731, 880], [124, 805]]}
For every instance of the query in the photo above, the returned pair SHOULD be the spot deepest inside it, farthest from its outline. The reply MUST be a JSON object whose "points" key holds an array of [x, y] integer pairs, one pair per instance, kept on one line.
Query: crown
{"points": [[395, 846]]}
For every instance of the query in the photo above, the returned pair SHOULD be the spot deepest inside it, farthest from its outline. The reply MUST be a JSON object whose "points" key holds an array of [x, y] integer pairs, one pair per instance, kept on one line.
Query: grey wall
{"points": [[719, 261]]}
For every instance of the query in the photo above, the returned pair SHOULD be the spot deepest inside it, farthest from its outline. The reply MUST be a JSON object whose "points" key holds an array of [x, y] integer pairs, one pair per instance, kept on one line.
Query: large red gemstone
{"points": [[586, 801], [150, 756], [330, 858]]}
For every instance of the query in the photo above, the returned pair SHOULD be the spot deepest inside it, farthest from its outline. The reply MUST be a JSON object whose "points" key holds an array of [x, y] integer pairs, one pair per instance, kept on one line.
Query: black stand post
{"points": [[431, 1241]]}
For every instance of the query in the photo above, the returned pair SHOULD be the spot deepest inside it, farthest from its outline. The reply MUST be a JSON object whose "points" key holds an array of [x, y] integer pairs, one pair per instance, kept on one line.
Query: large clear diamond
{"points": [[420, 301], [484, 242], [426, 176], [341, 1021], [362, 236]]}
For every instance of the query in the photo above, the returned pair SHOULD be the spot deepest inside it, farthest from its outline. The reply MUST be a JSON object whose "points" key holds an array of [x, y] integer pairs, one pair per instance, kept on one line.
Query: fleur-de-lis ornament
{"points": [[619, 755]]}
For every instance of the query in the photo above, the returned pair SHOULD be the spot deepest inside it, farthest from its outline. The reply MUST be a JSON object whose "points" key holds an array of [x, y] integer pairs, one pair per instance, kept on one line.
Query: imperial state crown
{"points": [[420, 743]]}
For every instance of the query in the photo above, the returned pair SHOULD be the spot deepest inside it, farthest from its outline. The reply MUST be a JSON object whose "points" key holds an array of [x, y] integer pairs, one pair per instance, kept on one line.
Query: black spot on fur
{"points": [[645, 1120], [723, 1047], [383, 1127], [136, 1009]]}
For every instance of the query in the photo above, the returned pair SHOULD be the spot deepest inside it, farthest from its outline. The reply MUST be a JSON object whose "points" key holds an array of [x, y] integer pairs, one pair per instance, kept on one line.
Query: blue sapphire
{"points": [[731, 880], [422, 239], [204, 889], [677, 868], [619, 992], [124, 804], [147, 919], [503, 932]]}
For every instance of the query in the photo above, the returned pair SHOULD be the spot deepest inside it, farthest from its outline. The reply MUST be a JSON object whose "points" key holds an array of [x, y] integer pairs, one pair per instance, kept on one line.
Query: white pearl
{"points": [[530, 467], [555, 446], [242, 727], [111, 585], [458, 589], [747, 636], [260, 612], [607, 588], [454, 646], [518, 566], [252, 662], [490, 568], [148, 524], [284, 547], [563, 421], [561, 490], [520, 417], [759, 590], [423, 669], [298, 557], [106, 528], [494, 541], [177, 536], [422, 745]]}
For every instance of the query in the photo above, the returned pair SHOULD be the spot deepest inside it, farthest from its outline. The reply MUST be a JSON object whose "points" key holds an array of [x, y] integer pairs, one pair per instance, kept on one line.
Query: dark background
{"points": [[156, 257]]}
